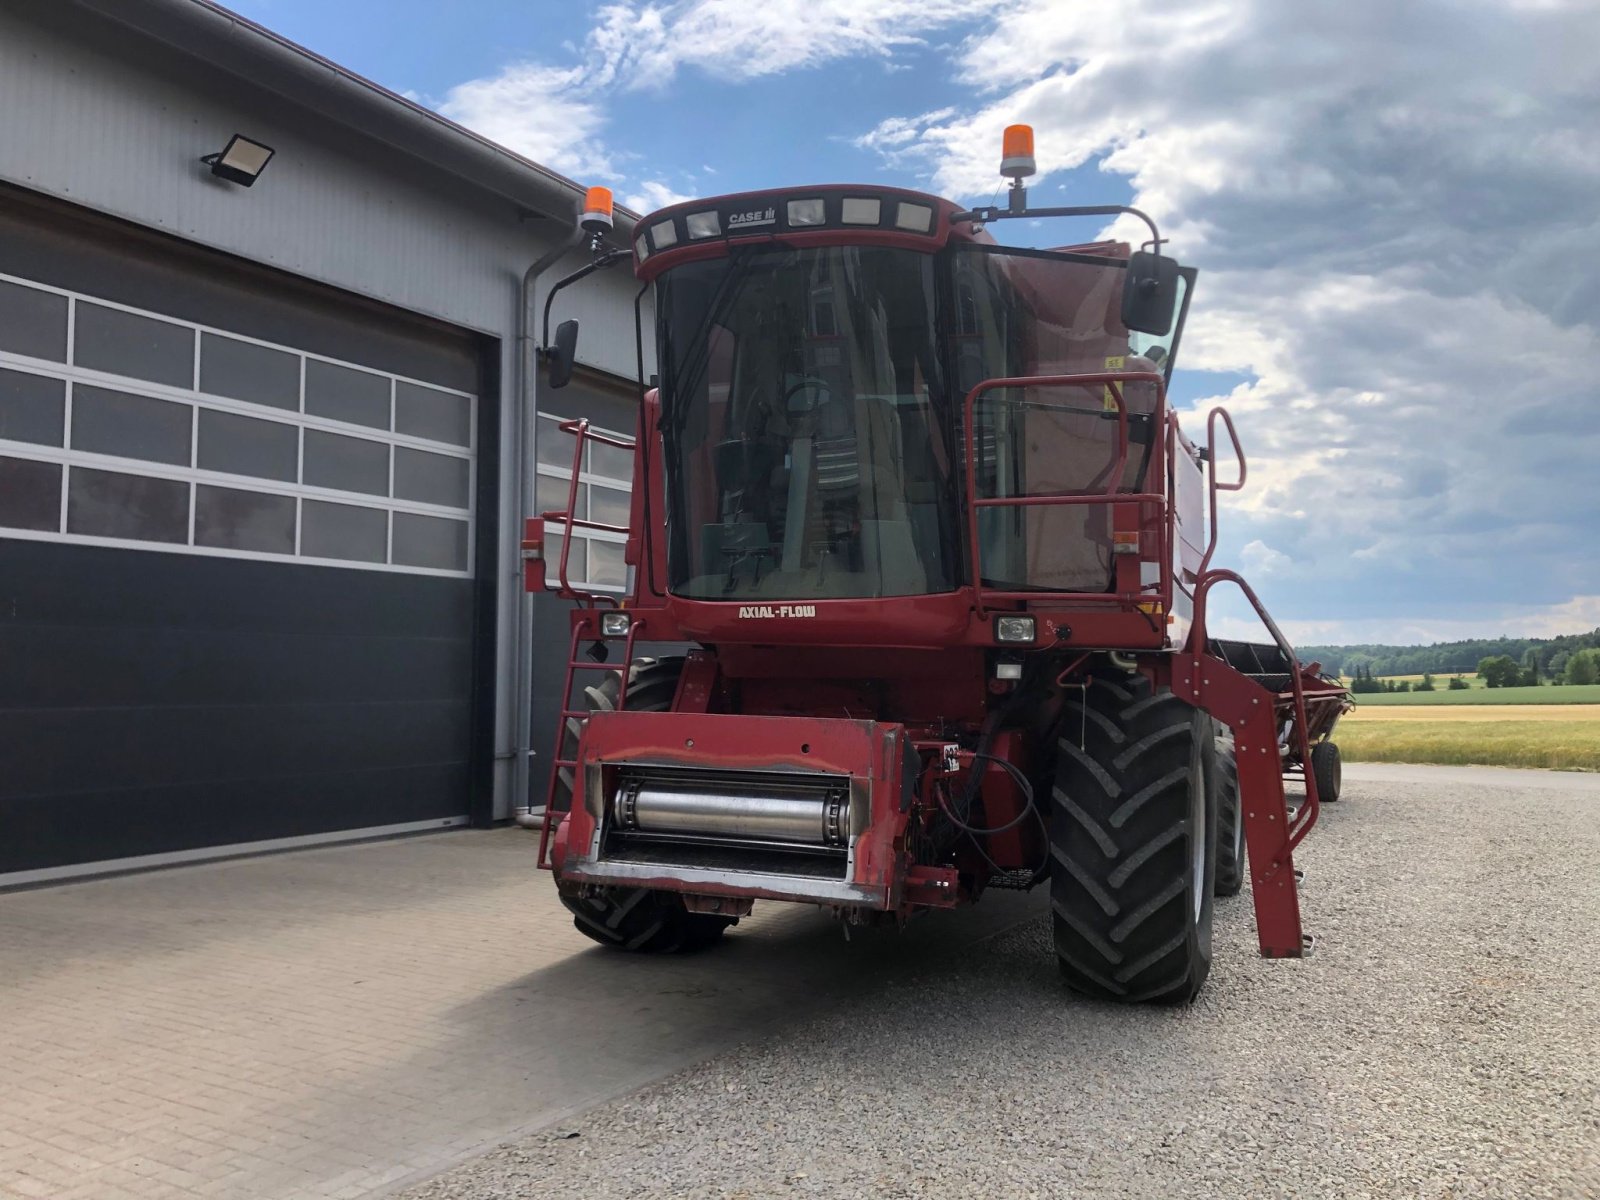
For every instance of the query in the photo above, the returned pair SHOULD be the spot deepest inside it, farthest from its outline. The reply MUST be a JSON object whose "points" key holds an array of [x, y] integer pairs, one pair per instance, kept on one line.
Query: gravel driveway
{"points": [[1444, 1041]]}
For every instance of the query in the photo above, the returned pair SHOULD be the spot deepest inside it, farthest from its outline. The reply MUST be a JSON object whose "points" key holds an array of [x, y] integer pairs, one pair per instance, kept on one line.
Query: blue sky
{"points": [[1393, 209]]}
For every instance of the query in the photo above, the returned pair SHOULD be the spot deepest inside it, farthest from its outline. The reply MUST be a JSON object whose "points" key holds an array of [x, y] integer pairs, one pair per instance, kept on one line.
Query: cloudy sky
{"points": [[1394, 207]]}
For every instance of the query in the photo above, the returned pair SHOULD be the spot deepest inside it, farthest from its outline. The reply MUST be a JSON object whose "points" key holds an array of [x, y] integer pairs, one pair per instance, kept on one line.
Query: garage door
{"points": [[239, 571]]}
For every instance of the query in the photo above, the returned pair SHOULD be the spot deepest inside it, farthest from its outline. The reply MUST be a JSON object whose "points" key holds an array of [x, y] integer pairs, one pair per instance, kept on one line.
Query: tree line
{"points": [[1365, 681], [1550, 658]]}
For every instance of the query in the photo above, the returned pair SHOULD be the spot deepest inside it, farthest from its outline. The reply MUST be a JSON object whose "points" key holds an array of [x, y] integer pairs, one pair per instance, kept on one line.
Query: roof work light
{"points": [[241, 161]]}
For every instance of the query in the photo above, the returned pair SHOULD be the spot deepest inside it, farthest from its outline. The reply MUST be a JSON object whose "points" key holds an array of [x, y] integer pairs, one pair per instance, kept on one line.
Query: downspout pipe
{"points": [[523, 810]]}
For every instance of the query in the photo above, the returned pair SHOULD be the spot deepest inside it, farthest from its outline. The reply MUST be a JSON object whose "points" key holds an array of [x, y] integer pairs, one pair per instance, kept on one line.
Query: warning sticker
{"points": [[1114, 362]]}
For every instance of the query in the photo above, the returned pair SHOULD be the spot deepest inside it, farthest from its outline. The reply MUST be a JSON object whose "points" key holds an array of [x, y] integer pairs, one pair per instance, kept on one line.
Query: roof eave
{"points": [[207, 31]]}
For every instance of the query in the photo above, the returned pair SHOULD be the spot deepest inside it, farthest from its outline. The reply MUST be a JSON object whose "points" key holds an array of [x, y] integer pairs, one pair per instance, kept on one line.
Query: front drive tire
{"points": [[638, 919], [1133, 844], [642, 920]]}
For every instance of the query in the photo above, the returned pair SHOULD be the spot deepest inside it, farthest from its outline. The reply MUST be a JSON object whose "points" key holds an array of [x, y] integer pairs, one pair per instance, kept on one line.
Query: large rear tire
{"points": [[1133, 844], [1224, 785], [638, 919], [1327, 768]]}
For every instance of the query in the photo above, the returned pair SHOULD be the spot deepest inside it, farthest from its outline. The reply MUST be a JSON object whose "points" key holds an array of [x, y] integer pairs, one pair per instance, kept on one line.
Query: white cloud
{"points": [[547, 114], [1392, 210], [556, 115], [1577, 615], [647, 44], [1261, 559], [654, 194]]}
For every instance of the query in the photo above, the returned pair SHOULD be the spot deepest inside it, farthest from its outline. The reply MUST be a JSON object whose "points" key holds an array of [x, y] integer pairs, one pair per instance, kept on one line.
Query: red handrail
{"points": [[1307, 817], [579, 428], [1213, 487], [1111, 381]]}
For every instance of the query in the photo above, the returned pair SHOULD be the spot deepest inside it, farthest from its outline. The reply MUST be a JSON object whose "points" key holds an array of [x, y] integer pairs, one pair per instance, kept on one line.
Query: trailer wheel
{"points": [[638, 919], [1327, 768], [1133, 844], [1224, 783]]}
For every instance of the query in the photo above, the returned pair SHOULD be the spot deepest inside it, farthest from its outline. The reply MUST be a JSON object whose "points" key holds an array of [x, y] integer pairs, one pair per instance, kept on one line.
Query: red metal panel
{"points": [[1249, 710], [736, 742], [1255, 716], [867, 753], [696, 684], [533, 554]]}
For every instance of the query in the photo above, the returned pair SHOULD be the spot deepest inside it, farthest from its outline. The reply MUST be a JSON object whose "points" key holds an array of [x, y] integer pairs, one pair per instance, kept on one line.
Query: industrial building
{"points": [[267, 434]]}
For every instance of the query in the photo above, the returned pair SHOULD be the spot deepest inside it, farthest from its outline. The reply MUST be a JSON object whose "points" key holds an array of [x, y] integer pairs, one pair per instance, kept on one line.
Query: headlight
{"points": [[1013, 629], [861, 210], [918, 218], [703, 225], [615, 624], [665, 234], [806, 212]]}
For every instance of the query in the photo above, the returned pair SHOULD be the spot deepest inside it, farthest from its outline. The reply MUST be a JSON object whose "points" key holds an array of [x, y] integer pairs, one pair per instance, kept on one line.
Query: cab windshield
{"points": [[812, 416], [808, 428]]}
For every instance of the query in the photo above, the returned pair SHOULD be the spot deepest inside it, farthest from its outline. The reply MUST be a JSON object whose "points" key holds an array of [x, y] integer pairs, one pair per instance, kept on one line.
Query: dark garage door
{"points": [[242, 572]]}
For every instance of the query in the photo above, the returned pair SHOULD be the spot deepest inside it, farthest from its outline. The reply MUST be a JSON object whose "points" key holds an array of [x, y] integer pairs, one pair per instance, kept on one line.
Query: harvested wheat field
{"points": [[1577, 713], [1561, 737]]}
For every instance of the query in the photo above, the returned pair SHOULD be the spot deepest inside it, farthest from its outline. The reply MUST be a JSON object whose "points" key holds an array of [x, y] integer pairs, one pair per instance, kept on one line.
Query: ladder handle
{"points": [[582, 629], [1197, 646], [1213, 487]]}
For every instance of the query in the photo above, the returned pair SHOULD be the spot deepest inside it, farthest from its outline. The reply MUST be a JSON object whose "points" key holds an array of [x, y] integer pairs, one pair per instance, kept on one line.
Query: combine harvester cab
{"points": [[936, 558]]}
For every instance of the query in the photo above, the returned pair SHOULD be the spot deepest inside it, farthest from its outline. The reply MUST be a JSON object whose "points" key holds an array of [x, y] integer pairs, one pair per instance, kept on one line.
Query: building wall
{"points": [[96, 115]]}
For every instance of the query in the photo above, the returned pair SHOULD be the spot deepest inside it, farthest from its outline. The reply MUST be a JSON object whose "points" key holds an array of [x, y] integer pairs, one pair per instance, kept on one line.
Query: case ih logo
{"points": [[756, 216], [775, 612]]}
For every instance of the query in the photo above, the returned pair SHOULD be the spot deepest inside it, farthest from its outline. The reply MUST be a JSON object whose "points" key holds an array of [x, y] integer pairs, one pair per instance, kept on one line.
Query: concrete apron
{"points": [[344, 1021]]}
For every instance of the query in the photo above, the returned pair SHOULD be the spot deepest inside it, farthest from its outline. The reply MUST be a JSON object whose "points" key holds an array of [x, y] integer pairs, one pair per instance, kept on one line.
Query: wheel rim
{"points": [[1225, 747], [1197, 833]]}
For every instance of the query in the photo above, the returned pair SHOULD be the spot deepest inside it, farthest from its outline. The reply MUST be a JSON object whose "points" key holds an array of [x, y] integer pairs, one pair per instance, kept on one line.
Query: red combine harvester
{"points": [[938, 556]]}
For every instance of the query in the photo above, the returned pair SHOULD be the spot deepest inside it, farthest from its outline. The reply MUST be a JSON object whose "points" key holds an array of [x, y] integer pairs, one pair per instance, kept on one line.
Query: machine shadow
{"points": [[599, 1022]]}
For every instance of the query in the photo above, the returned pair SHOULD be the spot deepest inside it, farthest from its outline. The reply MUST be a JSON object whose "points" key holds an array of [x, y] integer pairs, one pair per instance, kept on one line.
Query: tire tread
{"points": [[1121, 843]]}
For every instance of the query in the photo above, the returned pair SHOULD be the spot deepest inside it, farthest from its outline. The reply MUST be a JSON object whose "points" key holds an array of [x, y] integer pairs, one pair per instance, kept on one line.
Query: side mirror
{"points": [[1150, 293], [561, 354]]}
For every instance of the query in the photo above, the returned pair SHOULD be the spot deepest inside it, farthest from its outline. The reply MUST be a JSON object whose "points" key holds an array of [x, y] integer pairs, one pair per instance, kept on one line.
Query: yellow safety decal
{"points": [[1114, 362]]}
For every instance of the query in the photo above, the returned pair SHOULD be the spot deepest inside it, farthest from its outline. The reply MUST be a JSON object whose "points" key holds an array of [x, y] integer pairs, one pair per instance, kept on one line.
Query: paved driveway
{"points": [[1443, 1043], [337, 1022]]}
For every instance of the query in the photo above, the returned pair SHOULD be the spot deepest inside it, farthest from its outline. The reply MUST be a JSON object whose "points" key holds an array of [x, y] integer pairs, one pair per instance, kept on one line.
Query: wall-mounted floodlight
{"points": [[241, 161]]}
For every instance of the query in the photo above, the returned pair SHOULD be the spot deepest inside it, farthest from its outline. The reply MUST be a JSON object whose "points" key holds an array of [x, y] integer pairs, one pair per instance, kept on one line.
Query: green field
{"points": [[1577, 694]]}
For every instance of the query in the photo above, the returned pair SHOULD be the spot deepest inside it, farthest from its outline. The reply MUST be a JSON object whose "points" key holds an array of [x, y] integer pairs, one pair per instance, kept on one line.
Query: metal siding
{"points": [[83, 122], [118, 123]]}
